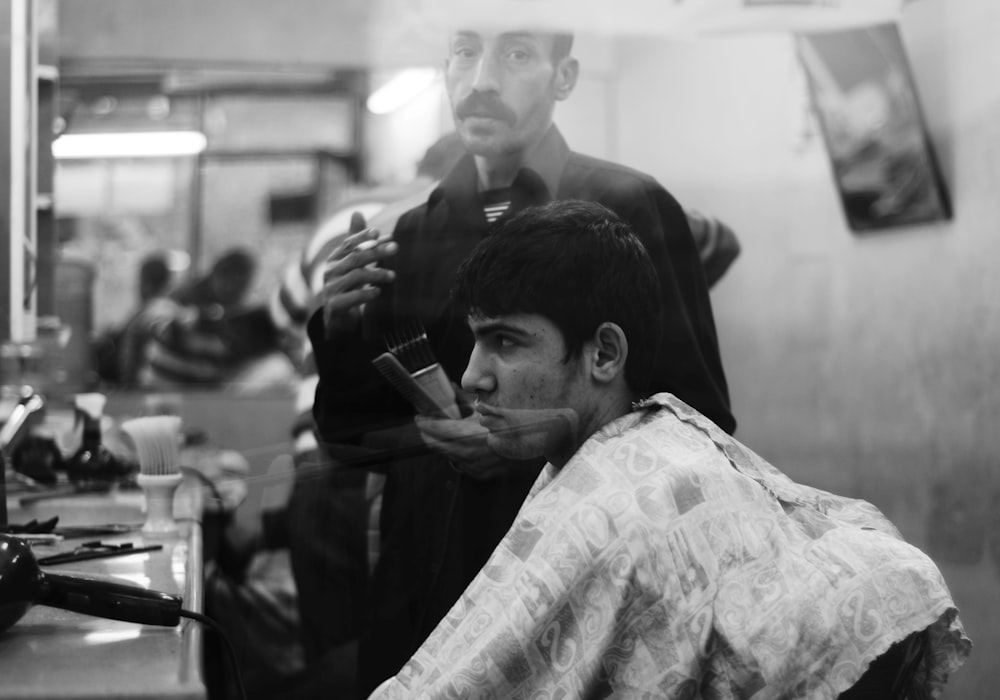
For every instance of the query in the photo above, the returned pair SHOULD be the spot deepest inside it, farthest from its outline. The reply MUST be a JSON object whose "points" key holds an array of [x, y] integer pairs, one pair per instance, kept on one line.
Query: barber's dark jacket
{"points": [[439, 527]]}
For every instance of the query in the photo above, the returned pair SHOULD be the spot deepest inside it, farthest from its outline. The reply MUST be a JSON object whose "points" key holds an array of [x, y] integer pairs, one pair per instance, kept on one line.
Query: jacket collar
{"points": [[543, 165]]}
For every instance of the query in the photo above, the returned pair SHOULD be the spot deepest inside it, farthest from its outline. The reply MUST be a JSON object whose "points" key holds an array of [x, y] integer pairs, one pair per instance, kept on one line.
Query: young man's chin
{"points": [[531, 433], [516, 447]]}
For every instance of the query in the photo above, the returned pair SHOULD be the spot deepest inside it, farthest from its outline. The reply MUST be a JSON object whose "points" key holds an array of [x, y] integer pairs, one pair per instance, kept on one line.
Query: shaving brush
{"points": [[157, 441]]}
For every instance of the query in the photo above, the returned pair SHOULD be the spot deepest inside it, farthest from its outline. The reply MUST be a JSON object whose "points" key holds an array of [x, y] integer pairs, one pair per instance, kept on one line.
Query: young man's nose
{"points": [[476, 378]]}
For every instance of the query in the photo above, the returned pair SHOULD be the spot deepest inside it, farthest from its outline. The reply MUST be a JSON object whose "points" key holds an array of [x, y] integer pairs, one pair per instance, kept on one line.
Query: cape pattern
{"points": [[667, 560]]}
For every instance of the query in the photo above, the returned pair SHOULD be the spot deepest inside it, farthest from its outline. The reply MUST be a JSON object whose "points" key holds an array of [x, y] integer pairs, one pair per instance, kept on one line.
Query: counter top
{"points": [[52, 653]]}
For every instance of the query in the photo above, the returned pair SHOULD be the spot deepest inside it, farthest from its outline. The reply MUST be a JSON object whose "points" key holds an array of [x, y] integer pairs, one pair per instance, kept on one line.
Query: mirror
{"points": [[177, 135]]}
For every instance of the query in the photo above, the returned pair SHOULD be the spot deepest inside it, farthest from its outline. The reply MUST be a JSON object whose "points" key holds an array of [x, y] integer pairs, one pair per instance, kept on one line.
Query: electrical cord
{"points": [[215, 495], [227, 645]]}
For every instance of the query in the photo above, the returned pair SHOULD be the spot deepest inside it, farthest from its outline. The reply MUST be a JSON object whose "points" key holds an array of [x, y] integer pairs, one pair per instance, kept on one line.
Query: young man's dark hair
{"points": [[606, 276]]}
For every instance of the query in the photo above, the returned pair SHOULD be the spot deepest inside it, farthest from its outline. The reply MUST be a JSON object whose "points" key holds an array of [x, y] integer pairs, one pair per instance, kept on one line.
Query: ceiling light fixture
{"points": [[136, 144], [400, 89]]}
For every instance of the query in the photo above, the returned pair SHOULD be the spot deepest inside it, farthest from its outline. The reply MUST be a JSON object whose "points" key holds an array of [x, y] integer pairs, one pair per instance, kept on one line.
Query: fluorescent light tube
{"points": [[400, 89], [135, 144]]}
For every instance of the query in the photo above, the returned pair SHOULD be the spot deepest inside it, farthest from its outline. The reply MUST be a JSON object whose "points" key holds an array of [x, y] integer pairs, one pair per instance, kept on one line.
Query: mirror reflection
{"points": [[464, 305]]}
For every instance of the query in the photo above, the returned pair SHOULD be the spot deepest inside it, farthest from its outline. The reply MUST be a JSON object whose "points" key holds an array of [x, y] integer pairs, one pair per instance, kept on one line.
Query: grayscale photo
{"points": [[499, 349]]}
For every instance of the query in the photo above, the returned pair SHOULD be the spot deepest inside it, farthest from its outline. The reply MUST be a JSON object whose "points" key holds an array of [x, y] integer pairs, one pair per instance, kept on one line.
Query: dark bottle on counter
{"points": [[92, 464]]}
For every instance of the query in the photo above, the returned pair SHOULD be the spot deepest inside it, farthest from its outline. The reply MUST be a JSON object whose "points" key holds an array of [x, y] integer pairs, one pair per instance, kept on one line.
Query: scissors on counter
{"points": [[97, 550]]}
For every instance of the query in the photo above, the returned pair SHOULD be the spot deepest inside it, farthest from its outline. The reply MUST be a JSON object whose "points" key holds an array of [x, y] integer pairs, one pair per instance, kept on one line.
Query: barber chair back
{"points": [[891, 676]]}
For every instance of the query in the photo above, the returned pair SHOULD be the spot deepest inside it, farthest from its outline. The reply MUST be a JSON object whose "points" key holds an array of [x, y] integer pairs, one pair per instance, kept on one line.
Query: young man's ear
{"points": [[567, 71], [609, 352]]}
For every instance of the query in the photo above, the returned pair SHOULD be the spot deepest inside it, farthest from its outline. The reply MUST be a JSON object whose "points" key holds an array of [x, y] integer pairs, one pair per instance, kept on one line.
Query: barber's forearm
{"points": [[375, 448]]}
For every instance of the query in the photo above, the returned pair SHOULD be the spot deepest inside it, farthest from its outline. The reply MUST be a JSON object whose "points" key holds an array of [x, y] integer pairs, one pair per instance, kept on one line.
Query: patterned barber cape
{"points": [[666, 560]]}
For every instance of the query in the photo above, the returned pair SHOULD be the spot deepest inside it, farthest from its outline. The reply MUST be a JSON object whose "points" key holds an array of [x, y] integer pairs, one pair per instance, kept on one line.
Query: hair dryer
{"points": [[23, 584]]}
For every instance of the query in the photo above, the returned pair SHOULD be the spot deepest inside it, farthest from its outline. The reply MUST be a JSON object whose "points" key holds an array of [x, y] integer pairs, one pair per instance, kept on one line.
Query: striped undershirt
{"points": [[495, 203]]}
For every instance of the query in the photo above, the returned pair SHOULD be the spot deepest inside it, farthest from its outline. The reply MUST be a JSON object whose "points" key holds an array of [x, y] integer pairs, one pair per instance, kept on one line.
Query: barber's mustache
{"points": [[480, 104]]}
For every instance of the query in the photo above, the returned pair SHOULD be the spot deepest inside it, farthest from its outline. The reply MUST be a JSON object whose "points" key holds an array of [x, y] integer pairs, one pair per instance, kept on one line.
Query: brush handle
{"points": [[159, 490], [436, 384], [400, 379]]}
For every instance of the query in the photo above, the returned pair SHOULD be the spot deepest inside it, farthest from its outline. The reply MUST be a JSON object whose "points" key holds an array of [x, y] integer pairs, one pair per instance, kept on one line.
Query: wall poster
{"points": [[864, 95]]}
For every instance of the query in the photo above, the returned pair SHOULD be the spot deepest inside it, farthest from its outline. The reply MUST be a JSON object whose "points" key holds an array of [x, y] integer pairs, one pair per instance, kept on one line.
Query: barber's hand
{"points": [[349, 277], [463, 441]]}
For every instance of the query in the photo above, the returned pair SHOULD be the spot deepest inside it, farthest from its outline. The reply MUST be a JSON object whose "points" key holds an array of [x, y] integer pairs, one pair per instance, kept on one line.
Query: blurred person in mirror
{"points": [[215, 338], [226, 285], [448, 498], [121, 352], [655, 555]]}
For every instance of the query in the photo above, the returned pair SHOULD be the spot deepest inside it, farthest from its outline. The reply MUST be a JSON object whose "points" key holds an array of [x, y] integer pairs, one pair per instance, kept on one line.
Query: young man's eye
{"points": [[501, 341]]}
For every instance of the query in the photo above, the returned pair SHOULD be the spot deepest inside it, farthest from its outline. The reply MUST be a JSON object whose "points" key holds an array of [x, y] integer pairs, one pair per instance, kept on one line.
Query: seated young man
{"points": [[655, 555]]}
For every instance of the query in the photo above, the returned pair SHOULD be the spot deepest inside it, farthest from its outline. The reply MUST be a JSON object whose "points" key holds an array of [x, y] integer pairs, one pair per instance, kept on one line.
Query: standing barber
{"points": [[448, 499]]}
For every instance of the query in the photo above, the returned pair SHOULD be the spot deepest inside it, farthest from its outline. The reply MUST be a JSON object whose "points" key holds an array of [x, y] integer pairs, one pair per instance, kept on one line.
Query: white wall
{"points": [[866, 364], [393, 143]]}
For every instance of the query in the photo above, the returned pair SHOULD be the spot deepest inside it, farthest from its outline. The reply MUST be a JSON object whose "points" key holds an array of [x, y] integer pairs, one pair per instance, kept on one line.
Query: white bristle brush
{"points": [[157, 444]]}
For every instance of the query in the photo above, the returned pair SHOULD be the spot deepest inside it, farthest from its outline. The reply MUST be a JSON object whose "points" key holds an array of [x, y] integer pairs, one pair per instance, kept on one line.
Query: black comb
{"points": [[424, 382]]}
